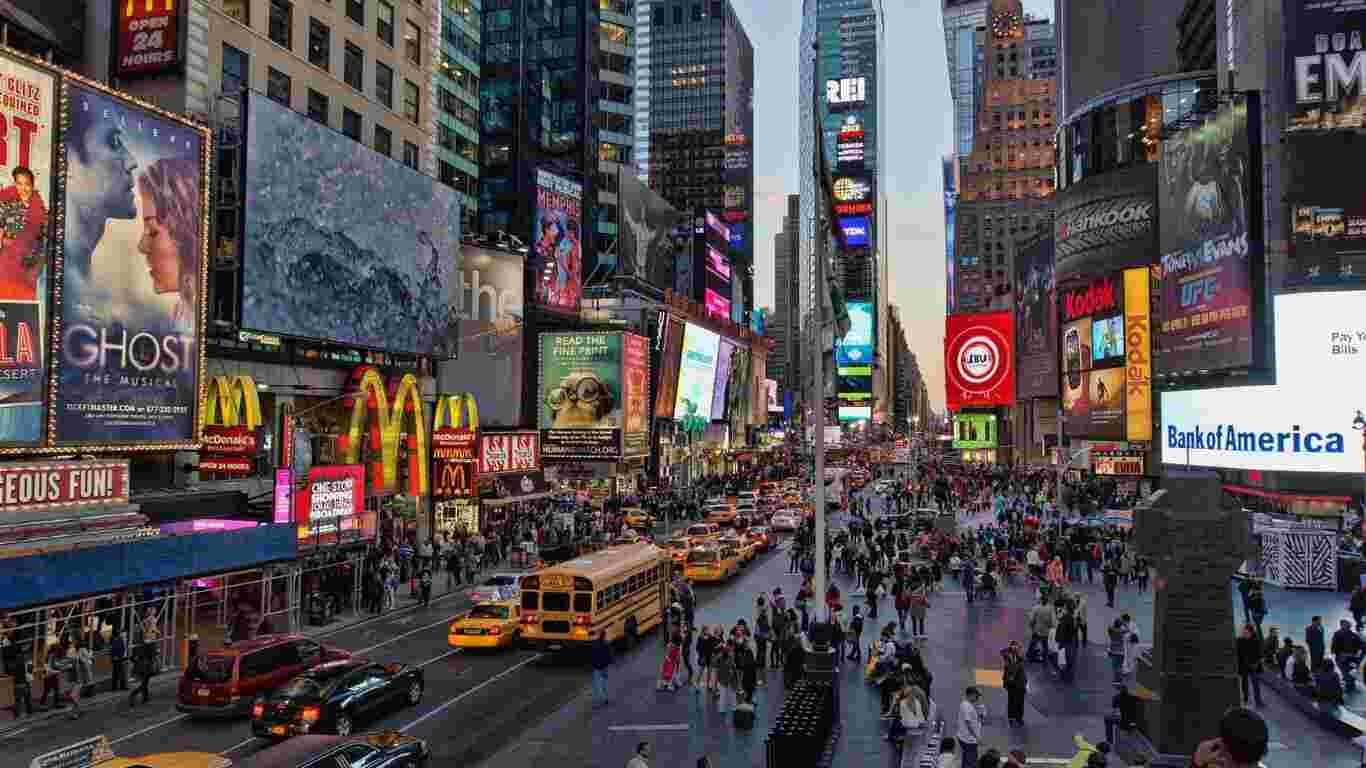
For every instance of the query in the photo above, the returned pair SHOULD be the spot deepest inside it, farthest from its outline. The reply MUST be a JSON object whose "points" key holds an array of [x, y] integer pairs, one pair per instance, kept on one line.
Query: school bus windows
{"points": [[531, 601], [583, 603], [555, 601]]}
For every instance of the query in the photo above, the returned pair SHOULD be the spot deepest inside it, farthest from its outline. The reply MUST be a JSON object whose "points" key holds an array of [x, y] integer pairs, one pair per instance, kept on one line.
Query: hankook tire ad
{"points": [[1106, 222]]}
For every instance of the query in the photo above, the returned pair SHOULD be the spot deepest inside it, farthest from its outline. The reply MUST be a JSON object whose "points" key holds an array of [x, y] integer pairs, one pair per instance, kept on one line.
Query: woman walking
{"points": [[919, 599], [725, 677]]}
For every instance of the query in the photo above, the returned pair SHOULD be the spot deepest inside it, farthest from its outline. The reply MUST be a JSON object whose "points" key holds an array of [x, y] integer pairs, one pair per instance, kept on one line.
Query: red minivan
{"points": [[223, 683]]}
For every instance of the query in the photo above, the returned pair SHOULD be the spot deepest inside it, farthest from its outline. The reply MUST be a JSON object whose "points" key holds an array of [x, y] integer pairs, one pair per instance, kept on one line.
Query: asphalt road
{"points": [[492, 696]]}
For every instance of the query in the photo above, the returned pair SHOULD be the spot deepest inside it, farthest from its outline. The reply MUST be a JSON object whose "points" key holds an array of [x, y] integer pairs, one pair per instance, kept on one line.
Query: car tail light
{"points": [[258, 710], [494, 630], [581, 621], [529, 618], [310, 714]]}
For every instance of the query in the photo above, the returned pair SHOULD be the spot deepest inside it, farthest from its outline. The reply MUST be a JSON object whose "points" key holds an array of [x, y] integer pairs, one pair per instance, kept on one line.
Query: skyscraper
{"points": [[455, 92], [701, 123], [785, 359], [642, 91]]}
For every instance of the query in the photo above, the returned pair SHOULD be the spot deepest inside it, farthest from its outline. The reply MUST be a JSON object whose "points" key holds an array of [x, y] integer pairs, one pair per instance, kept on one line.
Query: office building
{"points": [[701, 124], [642, 91], [784, 362], [456, 96]]}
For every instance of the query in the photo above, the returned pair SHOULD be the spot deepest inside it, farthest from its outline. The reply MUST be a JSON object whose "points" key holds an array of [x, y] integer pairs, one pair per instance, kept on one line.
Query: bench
{"points": [[1336, 719]]}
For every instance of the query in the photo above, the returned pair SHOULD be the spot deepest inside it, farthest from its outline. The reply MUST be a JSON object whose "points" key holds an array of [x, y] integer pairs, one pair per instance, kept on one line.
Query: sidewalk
{"points": [[165, 683]]}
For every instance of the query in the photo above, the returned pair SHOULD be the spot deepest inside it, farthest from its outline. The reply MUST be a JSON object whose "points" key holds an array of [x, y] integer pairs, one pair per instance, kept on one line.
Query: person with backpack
{"points": [[856, 636]]}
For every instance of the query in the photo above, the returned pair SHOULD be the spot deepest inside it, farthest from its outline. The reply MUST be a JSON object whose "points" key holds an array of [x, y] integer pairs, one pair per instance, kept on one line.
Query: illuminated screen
{"points": [[696, 372], [856, 412], [718, 403], [718, 306]]}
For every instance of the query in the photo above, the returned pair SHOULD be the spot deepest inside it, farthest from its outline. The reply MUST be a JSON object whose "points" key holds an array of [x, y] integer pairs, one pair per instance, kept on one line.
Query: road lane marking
{"points": [[650, 727], [238, 745], [135, 734], [409, 633], [451, 652], [468, 693]]}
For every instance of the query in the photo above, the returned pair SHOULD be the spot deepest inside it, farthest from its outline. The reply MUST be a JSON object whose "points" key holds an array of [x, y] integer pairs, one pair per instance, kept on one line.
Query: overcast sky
{"points": [[918, 122]]}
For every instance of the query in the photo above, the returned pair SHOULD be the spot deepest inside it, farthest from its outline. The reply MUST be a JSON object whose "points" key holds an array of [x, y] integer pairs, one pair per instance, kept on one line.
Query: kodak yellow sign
{"points": [[1138, 356]]}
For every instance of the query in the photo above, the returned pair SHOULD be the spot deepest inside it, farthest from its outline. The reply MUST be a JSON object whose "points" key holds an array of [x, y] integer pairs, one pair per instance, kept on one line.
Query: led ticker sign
{"points": [[846, 90], [849, 142], [146, 37]]}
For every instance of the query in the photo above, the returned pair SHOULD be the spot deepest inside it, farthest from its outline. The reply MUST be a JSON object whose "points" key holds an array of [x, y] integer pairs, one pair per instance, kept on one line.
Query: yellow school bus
{"points": [[621, 590], [712, 562]]}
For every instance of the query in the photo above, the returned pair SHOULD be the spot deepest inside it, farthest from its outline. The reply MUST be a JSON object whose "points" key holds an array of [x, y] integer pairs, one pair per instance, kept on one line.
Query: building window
{"points": [[384, 141], [281, 22], [355, 11], [317, 106], [235, 71], [412, 101], [319, 44], [277, 86], [446, 173], [384, 23], [384, 84], [351, 123], [696, 12], [353, 66], [412, 43], [678, 14], [410, 154], [238, 10]]}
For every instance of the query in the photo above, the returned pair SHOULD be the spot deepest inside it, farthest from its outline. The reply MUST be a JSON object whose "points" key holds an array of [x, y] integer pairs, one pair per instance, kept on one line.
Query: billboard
{"points": [[647, 242], [147, 37], [974, 430], [635, 386], [696, 372], [1322, 46], [1138, 356], [670, 354], [854, 413], [979, 360], [503, 453], [330, 508], [855, 229], [1036, 321], [29, 111], [717, 305], [856, 348], [557, 247], [1106, 222], [488, 303], [1209, 244], [342, 243], [846, 92], [853, 195], [849, 142], [580, 413], [725, 355], [134, 254], [1107, 341], [771, 395], [1327, 247], [1310, 420]]}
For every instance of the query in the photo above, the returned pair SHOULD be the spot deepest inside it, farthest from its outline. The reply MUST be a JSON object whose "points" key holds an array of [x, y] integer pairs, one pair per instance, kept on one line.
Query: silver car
{"points": [[496, 588]]}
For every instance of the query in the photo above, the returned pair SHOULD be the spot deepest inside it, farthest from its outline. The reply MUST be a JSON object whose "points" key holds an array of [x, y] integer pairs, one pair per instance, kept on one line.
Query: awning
{"points": [[513, 499]]}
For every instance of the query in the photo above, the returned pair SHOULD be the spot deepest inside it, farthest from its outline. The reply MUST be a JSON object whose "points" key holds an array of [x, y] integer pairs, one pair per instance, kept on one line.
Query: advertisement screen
{"points": [[488, 302], [1106, 400], [857, 345], [580, 414], [146, 37], [771, 394], [647, 242], [509, 452], [1322, 43], [666, 392], [974, 430], [26, 176], [330, 508], [721, 382], [315, 269], [1106, 222], [133, 285], [559, 254], [635, 383], [1327, 212], [1036, 321], [1107, 341], [718, 306], [1138, 367], [1310, 420], [849, 142], [1208, 246], [1076, 402], [979, 360], [1076, 346], [719, 230], [696, 372], [854, 413], [855, 229], [718, 271]]}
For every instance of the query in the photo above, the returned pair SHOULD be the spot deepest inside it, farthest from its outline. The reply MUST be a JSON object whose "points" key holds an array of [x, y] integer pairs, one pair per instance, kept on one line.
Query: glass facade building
{"points": [[456, 96]]}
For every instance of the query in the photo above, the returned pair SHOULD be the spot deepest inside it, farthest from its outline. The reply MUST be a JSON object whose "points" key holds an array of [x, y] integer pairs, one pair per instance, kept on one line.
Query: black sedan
{"points": [[378, 750], [334, 697]]}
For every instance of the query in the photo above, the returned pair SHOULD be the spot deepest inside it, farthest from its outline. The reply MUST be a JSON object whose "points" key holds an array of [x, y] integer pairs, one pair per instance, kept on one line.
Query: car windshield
{"points": [[702, 557], [500, 581], [699, 530], [301, 688], [678, 544], [211, 669], [489, 612]]}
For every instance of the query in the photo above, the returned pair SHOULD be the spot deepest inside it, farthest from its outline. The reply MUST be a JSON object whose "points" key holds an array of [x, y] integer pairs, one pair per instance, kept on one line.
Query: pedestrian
{"points": [[725, 677], [49, 668], [1041, 622], [747, 671], [668, 669], [1110, 576], [689, 637], [1314, 638], [424, 581], [920, 604], [641, 758], [706, 680], [855, 636], [601, 660], [144, 667], [969, 578], [1016, 683], [837, 634], [948, 754], [1117, 635], [1242, 742], [969, 725], [1250, 664]]}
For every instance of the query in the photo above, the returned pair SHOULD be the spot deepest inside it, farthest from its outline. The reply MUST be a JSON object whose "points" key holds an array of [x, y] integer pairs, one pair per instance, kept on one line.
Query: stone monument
{"points": [[1195, 542]]}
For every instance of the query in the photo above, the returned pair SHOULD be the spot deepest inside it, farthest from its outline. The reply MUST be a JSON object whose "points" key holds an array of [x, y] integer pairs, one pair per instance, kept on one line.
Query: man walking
{"points": [[118, 659], [1016, 683], [1041, 620], [602, 659], [144, 661], [969, 725], [1314, 638]]}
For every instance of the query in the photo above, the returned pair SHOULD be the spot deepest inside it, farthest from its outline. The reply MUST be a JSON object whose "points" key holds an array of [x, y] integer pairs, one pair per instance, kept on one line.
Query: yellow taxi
{"points": [[745, 548], [791, 499], [487, 625], [712, 562], [635, 517], [100, 754], [701, 533], [678, 550]]}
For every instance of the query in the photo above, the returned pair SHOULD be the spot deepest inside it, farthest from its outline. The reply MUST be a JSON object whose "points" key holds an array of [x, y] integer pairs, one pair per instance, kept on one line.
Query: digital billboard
{"points": [[1036, 321], [696, 372], [856, 347], [722, 379], [1325, 89], [342, 243], [1106, 222], [1310, 420], [1076, 346], [635, 386], [854, 413], [853, 195], [855, 229], [979, 360], [26, 170], [487, 288], [1327, 247], [1138, 356], [717, 305], [974, 430], [670, 352], [649, 234], [849, 142], [580, 409], [330, 509], [134, 267], [147, 37], [771, 396], [1107, 341], [846, 91], [1210, 243], [557, 246]]}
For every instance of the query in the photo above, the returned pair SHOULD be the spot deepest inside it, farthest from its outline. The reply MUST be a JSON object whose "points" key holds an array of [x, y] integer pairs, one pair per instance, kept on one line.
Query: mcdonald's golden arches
{"points": [[232, 414], [383, 426], [455, 446]]}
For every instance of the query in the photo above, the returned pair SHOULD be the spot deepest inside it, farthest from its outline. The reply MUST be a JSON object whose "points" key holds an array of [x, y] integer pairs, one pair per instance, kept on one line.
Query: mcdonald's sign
{"points": [[232, 414], [378, 415], [455, 446], [147, 37]]}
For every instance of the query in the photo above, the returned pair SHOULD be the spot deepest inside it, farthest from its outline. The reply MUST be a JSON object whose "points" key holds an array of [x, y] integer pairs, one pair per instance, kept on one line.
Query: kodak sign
{"points": [[232, 414], [455, 447], [378, 416], [1099, 296]]}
